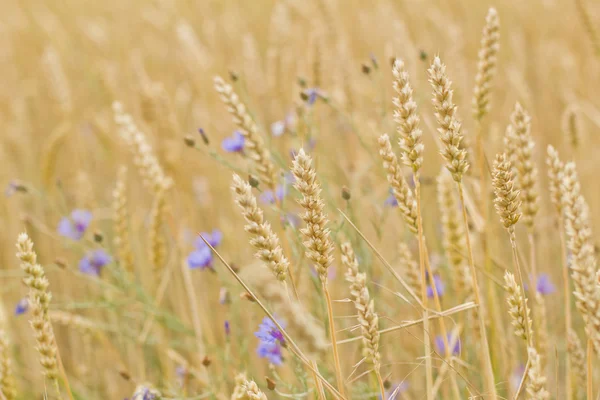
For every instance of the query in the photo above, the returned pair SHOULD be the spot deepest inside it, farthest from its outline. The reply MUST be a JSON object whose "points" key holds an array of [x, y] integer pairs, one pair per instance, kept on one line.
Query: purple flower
{"points": [[227, 328], [439, 286], [393, 392], [270, 351], [269, 333], [234, 143], [93, 262], [439, 344], [391, 201], [214, 238], [268, 197], [200, 258], [271, 340], [22, 306], [544, 285], [312, 94], [74, 227]]}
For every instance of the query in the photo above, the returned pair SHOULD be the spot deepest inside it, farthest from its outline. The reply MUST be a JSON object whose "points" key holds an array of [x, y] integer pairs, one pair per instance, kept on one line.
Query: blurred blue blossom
{"points": [[93, 262], [234, 143], [439, 286], [74, 227], [271, 341], [544, 285], [441, 348], [202, 256], [393, 392], [22, 306]]}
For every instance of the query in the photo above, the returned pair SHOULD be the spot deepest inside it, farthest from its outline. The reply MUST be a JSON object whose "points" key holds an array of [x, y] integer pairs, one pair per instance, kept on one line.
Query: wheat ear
{"points": [[576, 355], [455, 154], [536, 382], [7, 380], [571, 126], [518, 309], [254, 144], [407, 119], [263, 239], [410, 267], [486, 66], [583, 260], [39, 298], [453, 149], [318, 243], [367, 317], [527, 173], [406, 200], [121, 224]]}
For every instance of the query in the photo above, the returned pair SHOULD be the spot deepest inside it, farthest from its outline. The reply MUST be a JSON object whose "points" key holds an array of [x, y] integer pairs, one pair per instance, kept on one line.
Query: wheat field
{"points": [[299, 199]]}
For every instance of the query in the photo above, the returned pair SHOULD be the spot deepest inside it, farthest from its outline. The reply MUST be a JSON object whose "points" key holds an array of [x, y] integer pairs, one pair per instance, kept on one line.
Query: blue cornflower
{"points": [[270, 351], [202, 257], [93, 262], [214, 238], [439, 344], [517, 376], [271, 341], [544, 285], [74, 227], [227, 328], [234, 143], [439, 286], [268, 332], [22, 306]]}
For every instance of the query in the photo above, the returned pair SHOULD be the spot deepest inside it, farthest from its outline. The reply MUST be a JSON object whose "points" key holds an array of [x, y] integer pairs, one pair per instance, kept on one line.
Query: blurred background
{"points": [[63, 64]]}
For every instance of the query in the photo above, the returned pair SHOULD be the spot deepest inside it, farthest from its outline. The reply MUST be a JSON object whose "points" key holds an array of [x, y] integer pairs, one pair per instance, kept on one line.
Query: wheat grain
{"points": [[120, 218], [318, 243], [576, 355], [406, 201], [507, 201], [527, 174], [407, 119], [454, 149], [518, 309], [536, 382], [486, 66], [409, 267], [583, 262], [263, 239], [7, 380]]}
